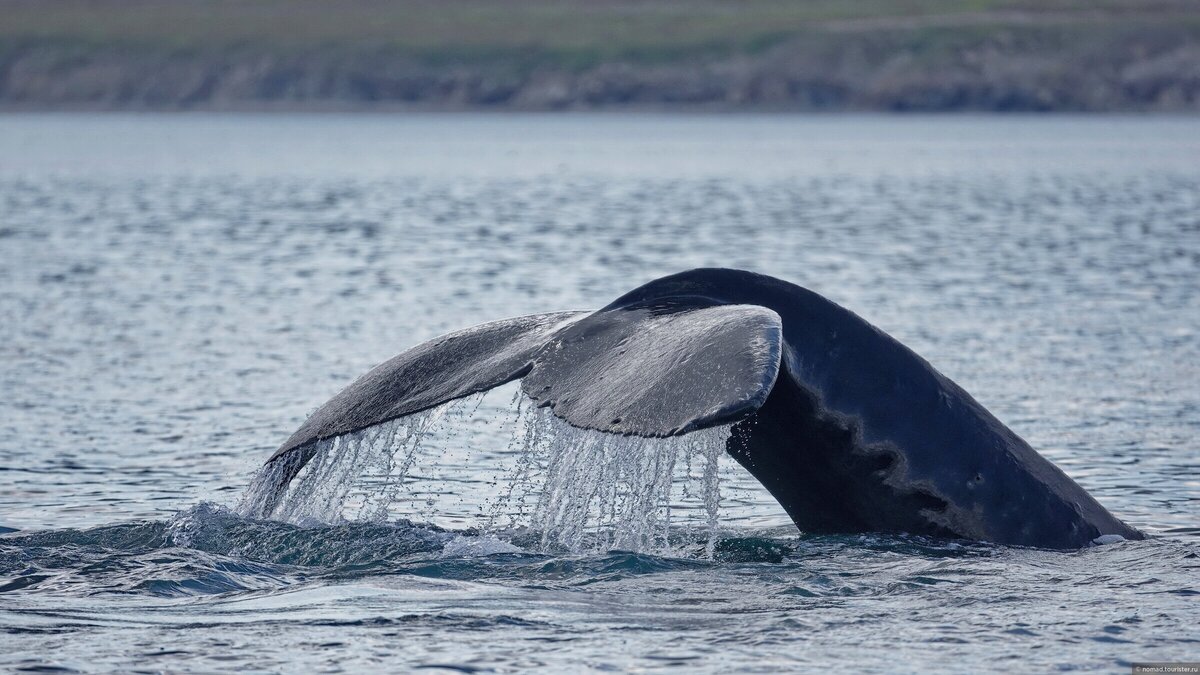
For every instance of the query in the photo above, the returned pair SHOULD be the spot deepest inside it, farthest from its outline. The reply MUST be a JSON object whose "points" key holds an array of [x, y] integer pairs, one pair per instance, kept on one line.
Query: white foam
{"points": [[473, 547]]}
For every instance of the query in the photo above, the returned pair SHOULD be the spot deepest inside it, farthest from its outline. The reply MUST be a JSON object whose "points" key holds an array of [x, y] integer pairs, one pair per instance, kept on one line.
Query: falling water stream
{"points": [[578, 490]]}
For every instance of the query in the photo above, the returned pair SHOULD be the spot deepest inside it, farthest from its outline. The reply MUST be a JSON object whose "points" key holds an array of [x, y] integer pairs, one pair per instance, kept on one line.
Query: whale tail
{"points": [[847, 428], [711, 365]]}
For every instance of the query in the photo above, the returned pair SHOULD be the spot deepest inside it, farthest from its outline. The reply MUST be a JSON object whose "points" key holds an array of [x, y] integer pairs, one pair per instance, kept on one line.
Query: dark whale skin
{"points": [[860, 434], [847, 428]]}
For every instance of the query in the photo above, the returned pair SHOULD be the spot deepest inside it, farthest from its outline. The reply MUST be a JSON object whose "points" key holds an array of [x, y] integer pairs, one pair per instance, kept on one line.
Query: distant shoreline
{"points": [[626, 111], [618, 55]]}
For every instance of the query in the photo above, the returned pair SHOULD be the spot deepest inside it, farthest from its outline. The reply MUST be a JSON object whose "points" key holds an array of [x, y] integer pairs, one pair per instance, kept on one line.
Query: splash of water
{"points": [[577, 490]]}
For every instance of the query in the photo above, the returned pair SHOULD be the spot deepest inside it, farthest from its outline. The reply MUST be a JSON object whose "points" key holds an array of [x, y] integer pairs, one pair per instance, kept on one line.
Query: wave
{"points": [[209, 549]]}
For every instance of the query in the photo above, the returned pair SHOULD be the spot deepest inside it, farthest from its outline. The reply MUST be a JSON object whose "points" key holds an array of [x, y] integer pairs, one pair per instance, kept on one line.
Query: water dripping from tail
{"points": [[353, 477], [563, 489], [603, 492]]}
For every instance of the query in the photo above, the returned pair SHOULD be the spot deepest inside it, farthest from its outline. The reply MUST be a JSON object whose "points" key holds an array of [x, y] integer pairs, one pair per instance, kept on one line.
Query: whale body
{"points": [[846, 427]]}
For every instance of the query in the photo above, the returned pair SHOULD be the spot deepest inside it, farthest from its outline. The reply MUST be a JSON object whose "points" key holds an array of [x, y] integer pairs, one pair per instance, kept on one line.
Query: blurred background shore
{"points": [[823, 55]]}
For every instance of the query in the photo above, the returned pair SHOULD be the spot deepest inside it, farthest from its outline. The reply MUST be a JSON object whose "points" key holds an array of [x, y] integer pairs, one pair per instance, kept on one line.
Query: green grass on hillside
{"points": [[564, 30]]}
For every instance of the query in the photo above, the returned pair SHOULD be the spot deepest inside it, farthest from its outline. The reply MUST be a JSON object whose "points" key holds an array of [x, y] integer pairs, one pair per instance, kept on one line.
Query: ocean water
{"points": [[177, 292]]}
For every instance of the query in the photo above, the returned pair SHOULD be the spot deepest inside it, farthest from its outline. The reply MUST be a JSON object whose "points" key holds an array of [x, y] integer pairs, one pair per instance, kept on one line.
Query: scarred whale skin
{"points": [[847, 428]]}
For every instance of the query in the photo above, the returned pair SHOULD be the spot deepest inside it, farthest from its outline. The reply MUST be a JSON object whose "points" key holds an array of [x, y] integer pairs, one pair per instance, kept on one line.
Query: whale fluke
{"points": [[708, 365], [454, 365], [848, 429]]}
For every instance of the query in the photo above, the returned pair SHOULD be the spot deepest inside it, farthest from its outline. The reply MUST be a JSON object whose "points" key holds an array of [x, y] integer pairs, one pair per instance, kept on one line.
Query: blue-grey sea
{"points": [[178, 291]]}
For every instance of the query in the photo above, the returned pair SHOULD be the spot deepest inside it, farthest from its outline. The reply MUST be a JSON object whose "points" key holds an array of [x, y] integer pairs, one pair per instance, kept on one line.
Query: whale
{"points": [[848, 429]]}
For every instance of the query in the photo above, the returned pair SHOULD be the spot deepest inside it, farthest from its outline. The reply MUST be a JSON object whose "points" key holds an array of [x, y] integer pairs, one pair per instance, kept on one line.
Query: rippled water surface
{"points": [[178, 292]]}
